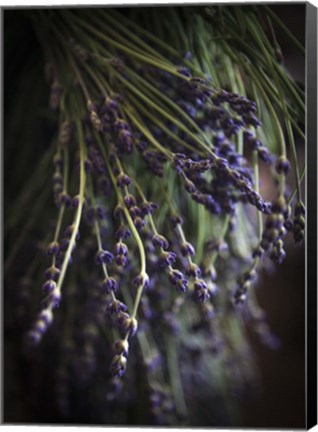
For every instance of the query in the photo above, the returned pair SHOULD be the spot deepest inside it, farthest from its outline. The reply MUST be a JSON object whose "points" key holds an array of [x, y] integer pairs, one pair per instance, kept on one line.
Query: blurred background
{"points": [[280, 403]]}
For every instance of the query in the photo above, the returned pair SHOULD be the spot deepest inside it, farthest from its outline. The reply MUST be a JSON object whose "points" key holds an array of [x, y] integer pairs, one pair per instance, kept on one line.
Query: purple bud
{"points": [[176, 220], [175, 275], [129, 201], [121, 319], [46, 316], [122, 233], [116, 306], [189, 186], [123, 180], [201, 292], [187, 249], [182, 285], [69, 231], [160, 241], [57, 178], [265, 156], [109, 284], [121, 249], [141, 280], [139, 223], [121, 347], [187, 55], [111, 104], [104, 257], [133, 326], [100, 212], [49, 286], [75, 201], [118, 212], [65, 199], [299, 209], [104, 185], [54, 299], [53, 248], [193, 270], [134, 211], [64, 244], [52, 273], [167, 258], [33, 337], [121, 260], [148, 208], [118, 366], [88, 166]]}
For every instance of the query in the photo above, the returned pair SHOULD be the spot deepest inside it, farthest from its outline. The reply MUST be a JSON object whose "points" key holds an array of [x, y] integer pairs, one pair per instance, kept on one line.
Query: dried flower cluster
{"points": [[160, 229]]}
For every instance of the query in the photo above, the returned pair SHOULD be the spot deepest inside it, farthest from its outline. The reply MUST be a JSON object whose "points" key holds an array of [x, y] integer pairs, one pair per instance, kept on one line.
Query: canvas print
{"points": [[154, 215]]}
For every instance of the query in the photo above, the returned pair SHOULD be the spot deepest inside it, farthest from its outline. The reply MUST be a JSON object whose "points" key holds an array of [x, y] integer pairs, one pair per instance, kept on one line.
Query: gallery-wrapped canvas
{"points": [[157, 211]]}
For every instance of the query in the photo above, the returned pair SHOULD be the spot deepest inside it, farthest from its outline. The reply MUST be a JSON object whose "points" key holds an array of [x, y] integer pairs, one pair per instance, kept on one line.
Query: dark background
{"points": [[281, 404]]}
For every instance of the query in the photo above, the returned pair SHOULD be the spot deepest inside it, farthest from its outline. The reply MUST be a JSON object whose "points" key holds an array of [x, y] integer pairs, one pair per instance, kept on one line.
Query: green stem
{"points": [[282, 99], [148, 134], [79, 209], [135, 54], [156, 121], [165, 99], [288, 33], [293, 194], [175, 378], [164, 113]]}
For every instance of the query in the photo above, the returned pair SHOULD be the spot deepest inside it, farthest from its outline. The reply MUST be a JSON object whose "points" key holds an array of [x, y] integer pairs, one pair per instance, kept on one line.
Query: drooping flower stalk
{"points": [[161, 138]]}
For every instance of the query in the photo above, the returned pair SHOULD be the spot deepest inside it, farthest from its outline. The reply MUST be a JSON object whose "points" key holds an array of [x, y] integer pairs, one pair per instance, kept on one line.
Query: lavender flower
{"points": [[157, 162]]}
